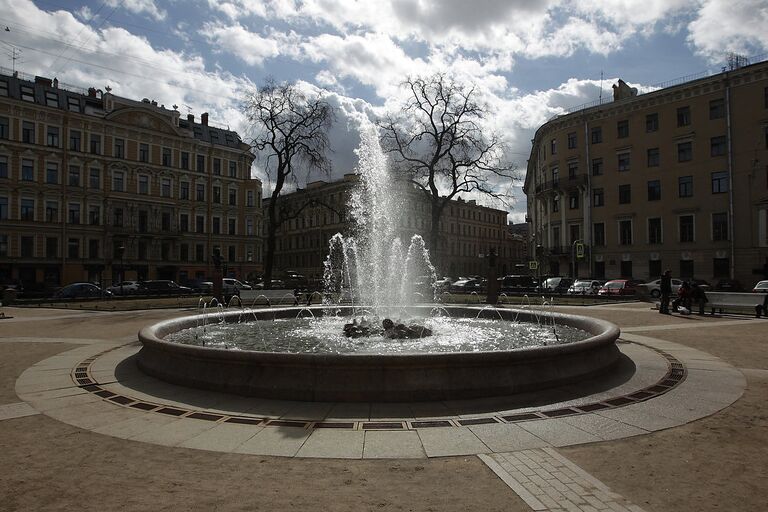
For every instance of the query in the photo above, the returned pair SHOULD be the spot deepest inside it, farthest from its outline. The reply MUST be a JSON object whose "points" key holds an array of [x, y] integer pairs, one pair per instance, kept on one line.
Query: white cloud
{"points": [[140, 6], [733, 25], [252, 48]]}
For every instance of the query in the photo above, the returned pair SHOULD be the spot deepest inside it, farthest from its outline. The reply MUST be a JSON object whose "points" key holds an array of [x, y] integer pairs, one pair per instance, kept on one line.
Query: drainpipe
{"points": [[588, 202], [732, 236]]}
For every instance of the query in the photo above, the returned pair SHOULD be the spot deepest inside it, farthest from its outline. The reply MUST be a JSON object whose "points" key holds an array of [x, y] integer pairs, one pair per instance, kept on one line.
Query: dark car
{"points": [[517, 284], [467, 286], [728, 285], [165, 287], [81, 291]]}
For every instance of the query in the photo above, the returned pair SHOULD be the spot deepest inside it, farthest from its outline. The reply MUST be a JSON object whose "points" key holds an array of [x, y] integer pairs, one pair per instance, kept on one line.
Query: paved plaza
{"points": [[681, 424]]}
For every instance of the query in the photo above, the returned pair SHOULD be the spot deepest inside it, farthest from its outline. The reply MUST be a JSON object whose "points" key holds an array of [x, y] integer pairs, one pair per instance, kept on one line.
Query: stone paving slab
{"points": [[17, 410], [445, 441], [283, 441], [388, 444], [223, 437], [328, 442]]}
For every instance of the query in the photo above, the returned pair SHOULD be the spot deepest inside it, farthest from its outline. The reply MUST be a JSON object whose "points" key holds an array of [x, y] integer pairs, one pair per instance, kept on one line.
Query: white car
{"points": [[761, 287], [585, 287], [127, 288], [236, 283], [654, 287]]}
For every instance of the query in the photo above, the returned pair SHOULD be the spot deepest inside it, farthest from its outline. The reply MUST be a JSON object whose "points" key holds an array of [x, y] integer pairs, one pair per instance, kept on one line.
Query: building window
{"points": [[165, 221], [625, 194], [233, 169], [249, 198], [5, 132], [719, 182], [685, 186], [118, 181], [143, 184], [249, 226], [51, 247], [231, 227], [654, 231], [717, 146], [95, 144], [573, 170], [572, 140], [719, 227], [3, 166], [94, 215], [73, 104], [143, 152], [52, 173], [119, 148], [217, 195], [200, 224], [231, 253], [216, 227], [597, 135], [573, 201], [622, 129], [51, 211], [74, 140], [217, 166], [232, 196], [625, 232], [654, 157], [184, 163], [52, 136], [73, 248], [684, 152], [200, 192], [555, 176], [184, 190], [167, 157], [27, 247], [27, 93], [143, 226], [555, 204], [3, 208], [73, 213], [184, 222], [3, 245], [28, 132], [94, 178], [199, 252], [598, 197], [93, 249], [200, 163], [623, 161], [27, 170], [73, 179], [683, 116], [27, 211], [3, 88], [165, 187], [654, 190], [143, 250], [686, 228], [717, 109], [117, 217], [721, 267]]}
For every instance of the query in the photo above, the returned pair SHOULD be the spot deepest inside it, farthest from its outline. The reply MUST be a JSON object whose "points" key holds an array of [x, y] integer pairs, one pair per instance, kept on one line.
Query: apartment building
{"points": [[97, 187], [468, 230], [672, 179]]}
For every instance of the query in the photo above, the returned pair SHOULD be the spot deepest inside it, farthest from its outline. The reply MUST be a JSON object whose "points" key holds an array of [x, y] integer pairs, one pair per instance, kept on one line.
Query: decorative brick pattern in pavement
{"points": [[547, 481]]}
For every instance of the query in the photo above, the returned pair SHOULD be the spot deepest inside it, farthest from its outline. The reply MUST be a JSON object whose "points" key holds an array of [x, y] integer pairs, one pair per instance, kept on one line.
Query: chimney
{"points": [[204, 118], [191, 118], [55, 83]]}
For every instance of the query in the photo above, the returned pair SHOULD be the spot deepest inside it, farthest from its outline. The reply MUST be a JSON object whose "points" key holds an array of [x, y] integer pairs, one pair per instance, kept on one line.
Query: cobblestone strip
{"points": [[547, 481]]}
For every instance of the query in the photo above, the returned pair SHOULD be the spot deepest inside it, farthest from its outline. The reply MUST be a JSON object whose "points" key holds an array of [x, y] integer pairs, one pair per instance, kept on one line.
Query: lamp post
{"points": [[217, 276], [120, 254]]}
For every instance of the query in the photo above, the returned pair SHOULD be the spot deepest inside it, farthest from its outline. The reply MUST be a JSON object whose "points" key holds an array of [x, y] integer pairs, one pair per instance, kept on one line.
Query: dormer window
{"points": [[52, 99], [27, 93], [73, 104]]}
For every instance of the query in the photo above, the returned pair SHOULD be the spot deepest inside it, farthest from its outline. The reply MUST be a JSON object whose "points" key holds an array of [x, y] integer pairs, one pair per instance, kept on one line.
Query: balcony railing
{"points": [[567, 183]]}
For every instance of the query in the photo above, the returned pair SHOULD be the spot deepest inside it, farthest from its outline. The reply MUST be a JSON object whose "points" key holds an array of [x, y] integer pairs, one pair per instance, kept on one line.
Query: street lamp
{"points": [[120, 254]]}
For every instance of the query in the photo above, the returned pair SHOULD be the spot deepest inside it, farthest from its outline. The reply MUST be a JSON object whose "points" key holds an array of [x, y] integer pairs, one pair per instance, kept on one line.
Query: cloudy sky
{"points": [[530, 59]]}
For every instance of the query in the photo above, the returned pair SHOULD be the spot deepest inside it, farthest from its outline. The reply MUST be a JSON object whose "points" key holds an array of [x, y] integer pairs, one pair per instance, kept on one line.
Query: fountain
{"points": [[370, 340]]}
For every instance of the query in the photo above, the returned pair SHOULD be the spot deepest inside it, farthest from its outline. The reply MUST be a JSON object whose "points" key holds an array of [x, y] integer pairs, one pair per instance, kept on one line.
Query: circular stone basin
{"points": [[388, 377]]}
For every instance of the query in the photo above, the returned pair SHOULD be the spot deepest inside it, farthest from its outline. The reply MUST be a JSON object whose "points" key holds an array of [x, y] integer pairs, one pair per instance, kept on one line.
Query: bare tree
{"points": [[438, 142], [290, 134]]}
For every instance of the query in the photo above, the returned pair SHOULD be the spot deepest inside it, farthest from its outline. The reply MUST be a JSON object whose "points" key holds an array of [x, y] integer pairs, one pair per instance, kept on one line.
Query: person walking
{"points": [[666, 290]]}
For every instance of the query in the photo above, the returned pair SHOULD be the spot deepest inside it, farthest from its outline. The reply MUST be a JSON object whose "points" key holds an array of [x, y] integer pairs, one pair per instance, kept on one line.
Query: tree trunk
{"points": [[272, 224], [434, 238]]}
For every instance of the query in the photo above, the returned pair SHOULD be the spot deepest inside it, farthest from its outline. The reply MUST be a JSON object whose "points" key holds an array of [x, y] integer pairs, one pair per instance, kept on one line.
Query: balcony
{"points": [[569, 183]]}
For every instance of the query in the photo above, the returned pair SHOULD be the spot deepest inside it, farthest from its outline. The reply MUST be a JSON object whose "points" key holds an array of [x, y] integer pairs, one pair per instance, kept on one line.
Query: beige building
{"points": [[85, 173], [467, 231], [676, 178]]}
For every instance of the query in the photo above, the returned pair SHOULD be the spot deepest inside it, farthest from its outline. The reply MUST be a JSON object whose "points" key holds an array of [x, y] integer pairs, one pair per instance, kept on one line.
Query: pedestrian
{"points": [[698, 296], [666, 291], [683, 301]]}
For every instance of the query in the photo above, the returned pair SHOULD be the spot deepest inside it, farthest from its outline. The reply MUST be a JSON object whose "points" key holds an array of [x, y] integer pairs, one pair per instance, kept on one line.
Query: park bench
{"points": [[730, 300]]}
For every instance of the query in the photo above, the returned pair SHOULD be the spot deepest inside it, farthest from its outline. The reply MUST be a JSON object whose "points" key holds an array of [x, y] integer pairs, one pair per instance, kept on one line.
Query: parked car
{"points": [[165, 287], [276, 285], [127, 288], [236, 283], [761, 287], [728, 285], [517, 284], [556, 285], [585, 287], [199, 285], [81, 291], [654, 287], [466, 286], [619, 287]]}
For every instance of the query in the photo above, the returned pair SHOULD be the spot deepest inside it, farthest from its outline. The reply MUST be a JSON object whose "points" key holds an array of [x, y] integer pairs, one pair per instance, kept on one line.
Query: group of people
{"points": [[687, 295]]}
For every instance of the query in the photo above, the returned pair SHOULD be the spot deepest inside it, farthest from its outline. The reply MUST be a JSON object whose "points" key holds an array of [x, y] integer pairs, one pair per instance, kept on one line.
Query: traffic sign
{"points": [[533, 265]]}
